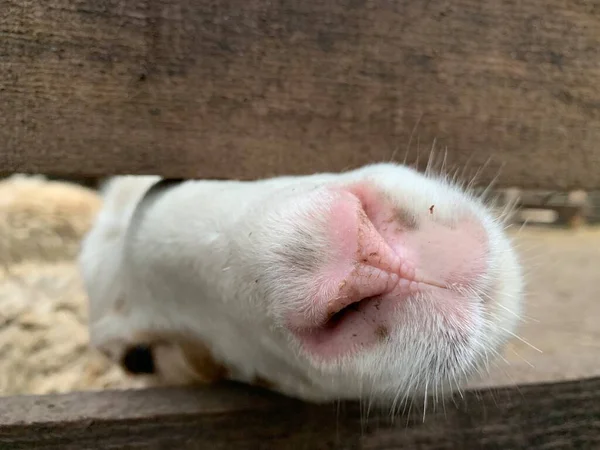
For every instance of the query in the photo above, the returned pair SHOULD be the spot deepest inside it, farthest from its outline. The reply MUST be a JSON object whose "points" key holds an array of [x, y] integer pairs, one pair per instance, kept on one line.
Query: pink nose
{"points": [[383, 258]]}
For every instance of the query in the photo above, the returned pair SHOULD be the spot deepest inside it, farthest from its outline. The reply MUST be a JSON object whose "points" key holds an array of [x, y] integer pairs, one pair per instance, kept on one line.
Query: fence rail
{"points": [[252, 88], [550, 416]]}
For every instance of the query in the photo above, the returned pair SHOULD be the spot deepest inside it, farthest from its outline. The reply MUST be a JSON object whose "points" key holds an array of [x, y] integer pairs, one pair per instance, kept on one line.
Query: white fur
{"points": [[212, 259]]}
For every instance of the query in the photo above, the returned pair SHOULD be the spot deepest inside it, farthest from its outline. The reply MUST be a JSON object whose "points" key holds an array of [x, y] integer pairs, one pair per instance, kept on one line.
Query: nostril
{"points": [[336, 318], [138, 360]]}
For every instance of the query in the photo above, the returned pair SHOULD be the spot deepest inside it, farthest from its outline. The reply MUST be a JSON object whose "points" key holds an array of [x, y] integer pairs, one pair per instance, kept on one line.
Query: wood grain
{"points": [[253, 88], [545, 416]]}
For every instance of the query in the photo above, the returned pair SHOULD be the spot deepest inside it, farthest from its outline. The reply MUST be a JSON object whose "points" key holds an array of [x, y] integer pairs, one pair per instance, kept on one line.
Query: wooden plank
{"points": [[252, 88], [558, 416]]}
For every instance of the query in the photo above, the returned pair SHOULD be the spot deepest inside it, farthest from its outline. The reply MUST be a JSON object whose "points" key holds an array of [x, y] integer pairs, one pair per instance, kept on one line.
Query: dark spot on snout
{"points": [[408, 220], [382, 332], [139, 360]]}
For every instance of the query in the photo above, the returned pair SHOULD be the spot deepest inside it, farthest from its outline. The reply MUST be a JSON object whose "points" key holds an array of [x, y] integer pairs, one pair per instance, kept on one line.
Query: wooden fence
{"points": [[253, 88], [550, 416]]}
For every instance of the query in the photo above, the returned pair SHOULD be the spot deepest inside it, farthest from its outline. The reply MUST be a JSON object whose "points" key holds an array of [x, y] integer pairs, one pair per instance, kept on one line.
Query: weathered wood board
{"points": [[253, 88], [549, 416]]}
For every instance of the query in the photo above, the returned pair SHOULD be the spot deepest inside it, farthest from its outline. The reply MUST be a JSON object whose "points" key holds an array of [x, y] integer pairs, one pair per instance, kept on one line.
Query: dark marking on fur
{"points": [[304, 256], [206, 369]]}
